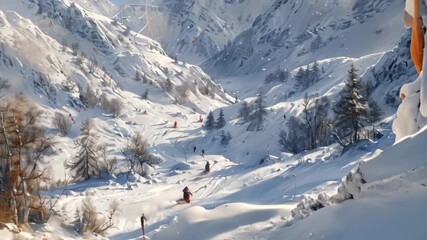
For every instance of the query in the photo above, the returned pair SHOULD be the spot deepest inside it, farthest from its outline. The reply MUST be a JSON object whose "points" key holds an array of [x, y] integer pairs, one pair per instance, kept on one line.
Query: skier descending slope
{"points": [[143, 219], [207, 167], [187, 194], [412, 112]]}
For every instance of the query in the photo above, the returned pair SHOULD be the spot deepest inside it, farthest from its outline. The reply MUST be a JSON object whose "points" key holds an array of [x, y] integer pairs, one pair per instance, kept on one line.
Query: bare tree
{"points": [[80, 59], [183, 92], [64, 45], [116, 107], [137, 155], [4, 85], [108, 163], [23, 144], [70, 85], [244, 112], [75, 48], [89, 98], [92, 65], [92, 221], [309, 120], [62, 123]]}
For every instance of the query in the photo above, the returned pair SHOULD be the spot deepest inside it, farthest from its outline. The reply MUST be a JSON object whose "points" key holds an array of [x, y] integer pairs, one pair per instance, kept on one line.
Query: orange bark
{"points": [[417, 38]]}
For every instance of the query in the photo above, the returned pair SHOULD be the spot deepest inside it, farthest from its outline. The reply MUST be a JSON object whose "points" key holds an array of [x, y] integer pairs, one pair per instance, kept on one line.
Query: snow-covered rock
{"points": [[412, 112]]}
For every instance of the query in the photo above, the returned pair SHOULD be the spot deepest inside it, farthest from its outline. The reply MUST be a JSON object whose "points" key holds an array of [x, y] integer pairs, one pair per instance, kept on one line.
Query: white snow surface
{"points": [[242, 197]]}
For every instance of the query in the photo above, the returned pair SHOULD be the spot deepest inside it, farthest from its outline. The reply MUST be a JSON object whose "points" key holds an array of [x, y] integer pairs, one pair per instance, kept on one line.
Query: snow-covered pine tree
{"points": [[210, 121], [351, 109], [138, 76], [259, 114], [220, 121], [145, 94], [278, 75], [86, 161], [301, 79], [225, 138], [314, 73], [316, 43], [244, 112], [168, 85]]}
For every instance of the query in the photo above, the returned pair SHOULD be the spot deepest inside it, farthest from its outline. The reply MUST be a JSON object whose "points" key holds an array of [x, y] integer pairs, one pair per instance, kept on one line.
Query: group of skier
{"points": [[186, 191]]}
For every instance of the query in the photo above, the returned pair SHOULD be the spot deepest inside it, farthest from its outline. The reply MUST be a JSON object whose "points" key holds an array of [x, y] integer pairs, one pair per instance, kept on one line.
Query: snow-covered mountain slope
{"points": [[382, 72], [56, 51], [253, 185], [291, 34], [191, 30], [386, 192]]}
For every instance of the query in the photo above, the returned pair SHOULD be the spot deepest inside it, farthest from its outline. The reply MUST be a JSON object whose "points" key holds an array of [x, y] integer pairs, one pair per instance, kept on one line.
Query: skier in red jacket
{"points": [[187, 194]]}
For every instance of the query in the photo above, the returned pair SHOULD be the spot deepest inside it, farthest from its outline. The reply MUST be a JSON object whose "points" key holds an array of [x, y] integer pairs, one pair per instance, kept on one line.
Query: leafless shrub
{"points": [[62, 123], [116, 107], [92, 221], [145, 94], [137, 155], [4, 85], [92, 64], [90, 98], [182, 94], [80, 59], [70, 85], [113, 106], [108, 164], [75, 48]]}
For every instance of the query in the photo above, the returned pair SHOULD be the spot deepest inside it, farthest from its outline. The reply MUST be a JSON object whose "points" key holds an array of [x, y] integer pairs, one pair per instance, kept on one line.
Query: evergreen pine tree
{"points": [[210, 121], [138, 76], [316, 43], [302, 80], [258, 116], [351, 109], [168, 85], [145, 94], [86, 162], [244, 112], [314, 73], [220, 122]]}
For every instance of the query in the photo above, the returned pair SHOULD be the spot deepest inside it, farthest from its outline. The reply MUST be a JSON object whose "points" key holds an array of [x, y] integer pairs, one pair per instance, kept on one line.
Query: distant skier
{"points": [[207, 167], [194, 149], [203, 152], [200, 118], [175, 124], [187, 194], [71, 118], [143, 219]]}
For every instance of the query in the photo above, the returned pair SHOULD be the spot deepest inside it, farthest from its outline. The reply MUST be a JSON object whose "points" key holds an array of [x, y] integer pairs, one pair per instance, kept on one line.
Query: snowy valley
{"points": [[110, 108]]}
